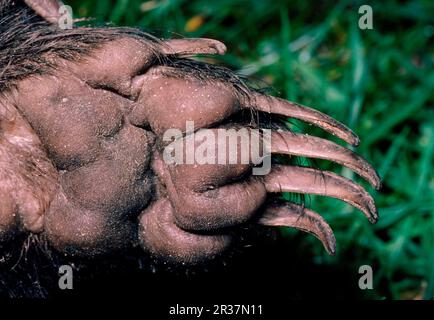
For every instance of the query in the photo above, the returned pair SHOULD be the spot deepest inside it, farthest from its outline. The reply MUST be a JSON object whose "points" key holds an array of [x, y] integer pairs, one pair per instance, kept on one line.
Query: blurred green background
{"points": [[380, 82]]}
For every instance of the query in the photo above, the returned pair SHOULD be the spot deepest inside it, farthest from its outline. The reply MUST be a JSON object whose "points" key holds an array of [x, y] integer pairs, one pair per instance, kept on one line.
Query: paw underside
{"points": [[108, 187]]}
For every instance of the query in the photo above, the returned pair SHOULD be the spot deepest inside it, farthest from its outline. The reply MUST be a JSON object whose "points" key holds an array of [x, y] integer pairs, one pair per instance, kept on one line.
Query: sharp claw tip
{"points": [[373, 219], [220, 48], [331, 248], [378, 185], [374, 214], [356, 141]]}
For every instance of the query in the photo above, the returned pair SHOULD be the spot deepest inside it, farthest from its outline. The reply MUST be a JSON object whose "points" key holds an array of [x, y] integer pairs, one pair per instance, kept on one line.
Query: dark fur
{"points": [[30, 45]]}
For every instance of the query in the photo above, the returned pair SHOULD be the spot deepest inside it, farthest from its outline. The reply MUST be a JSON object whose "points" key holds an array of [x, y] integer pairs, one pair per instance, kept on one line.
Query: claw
{"points": [[293, 110], [312, 181], [193, 46], [296, 216], [314, 147]]}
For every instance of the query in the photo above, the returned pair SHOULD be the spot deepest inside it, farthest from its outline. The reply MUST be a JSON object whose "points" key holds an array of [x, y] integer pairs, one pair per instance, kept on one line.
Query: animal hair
{"points": [[30, 45]]}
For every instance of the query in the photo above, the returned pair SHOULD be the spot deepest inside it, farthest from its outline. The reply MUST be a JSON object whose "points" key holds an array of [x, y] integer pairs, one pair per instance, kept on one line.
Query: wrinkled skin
{"points": [[97, 182]]}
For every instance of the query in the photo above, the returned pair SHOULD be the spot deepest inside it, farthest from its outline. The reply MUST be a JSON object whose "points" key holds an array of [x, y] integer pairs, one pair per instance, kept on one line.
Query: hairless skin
{"points": [[81, 151]]}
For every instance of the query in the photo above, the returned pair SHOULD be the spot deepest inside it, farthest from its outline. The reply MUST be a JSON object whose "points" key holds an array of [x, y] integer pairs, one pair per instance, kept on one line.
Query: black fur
{"points": [[30, 45]]}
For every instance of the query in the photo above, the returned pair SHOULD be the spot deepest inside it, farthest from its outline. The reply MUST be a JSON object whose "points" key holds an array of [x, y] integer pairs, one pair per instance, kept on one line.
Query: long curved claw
{"points": [[296, 216], [313, 181], [285, 142], [193, 46], [290, 109]]}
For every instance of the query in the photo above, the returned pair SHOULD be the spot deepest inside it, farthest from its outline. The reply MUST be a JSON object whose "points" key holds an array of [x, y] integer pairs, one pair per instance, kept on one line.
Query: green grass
{"points": [[380, 82]]}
